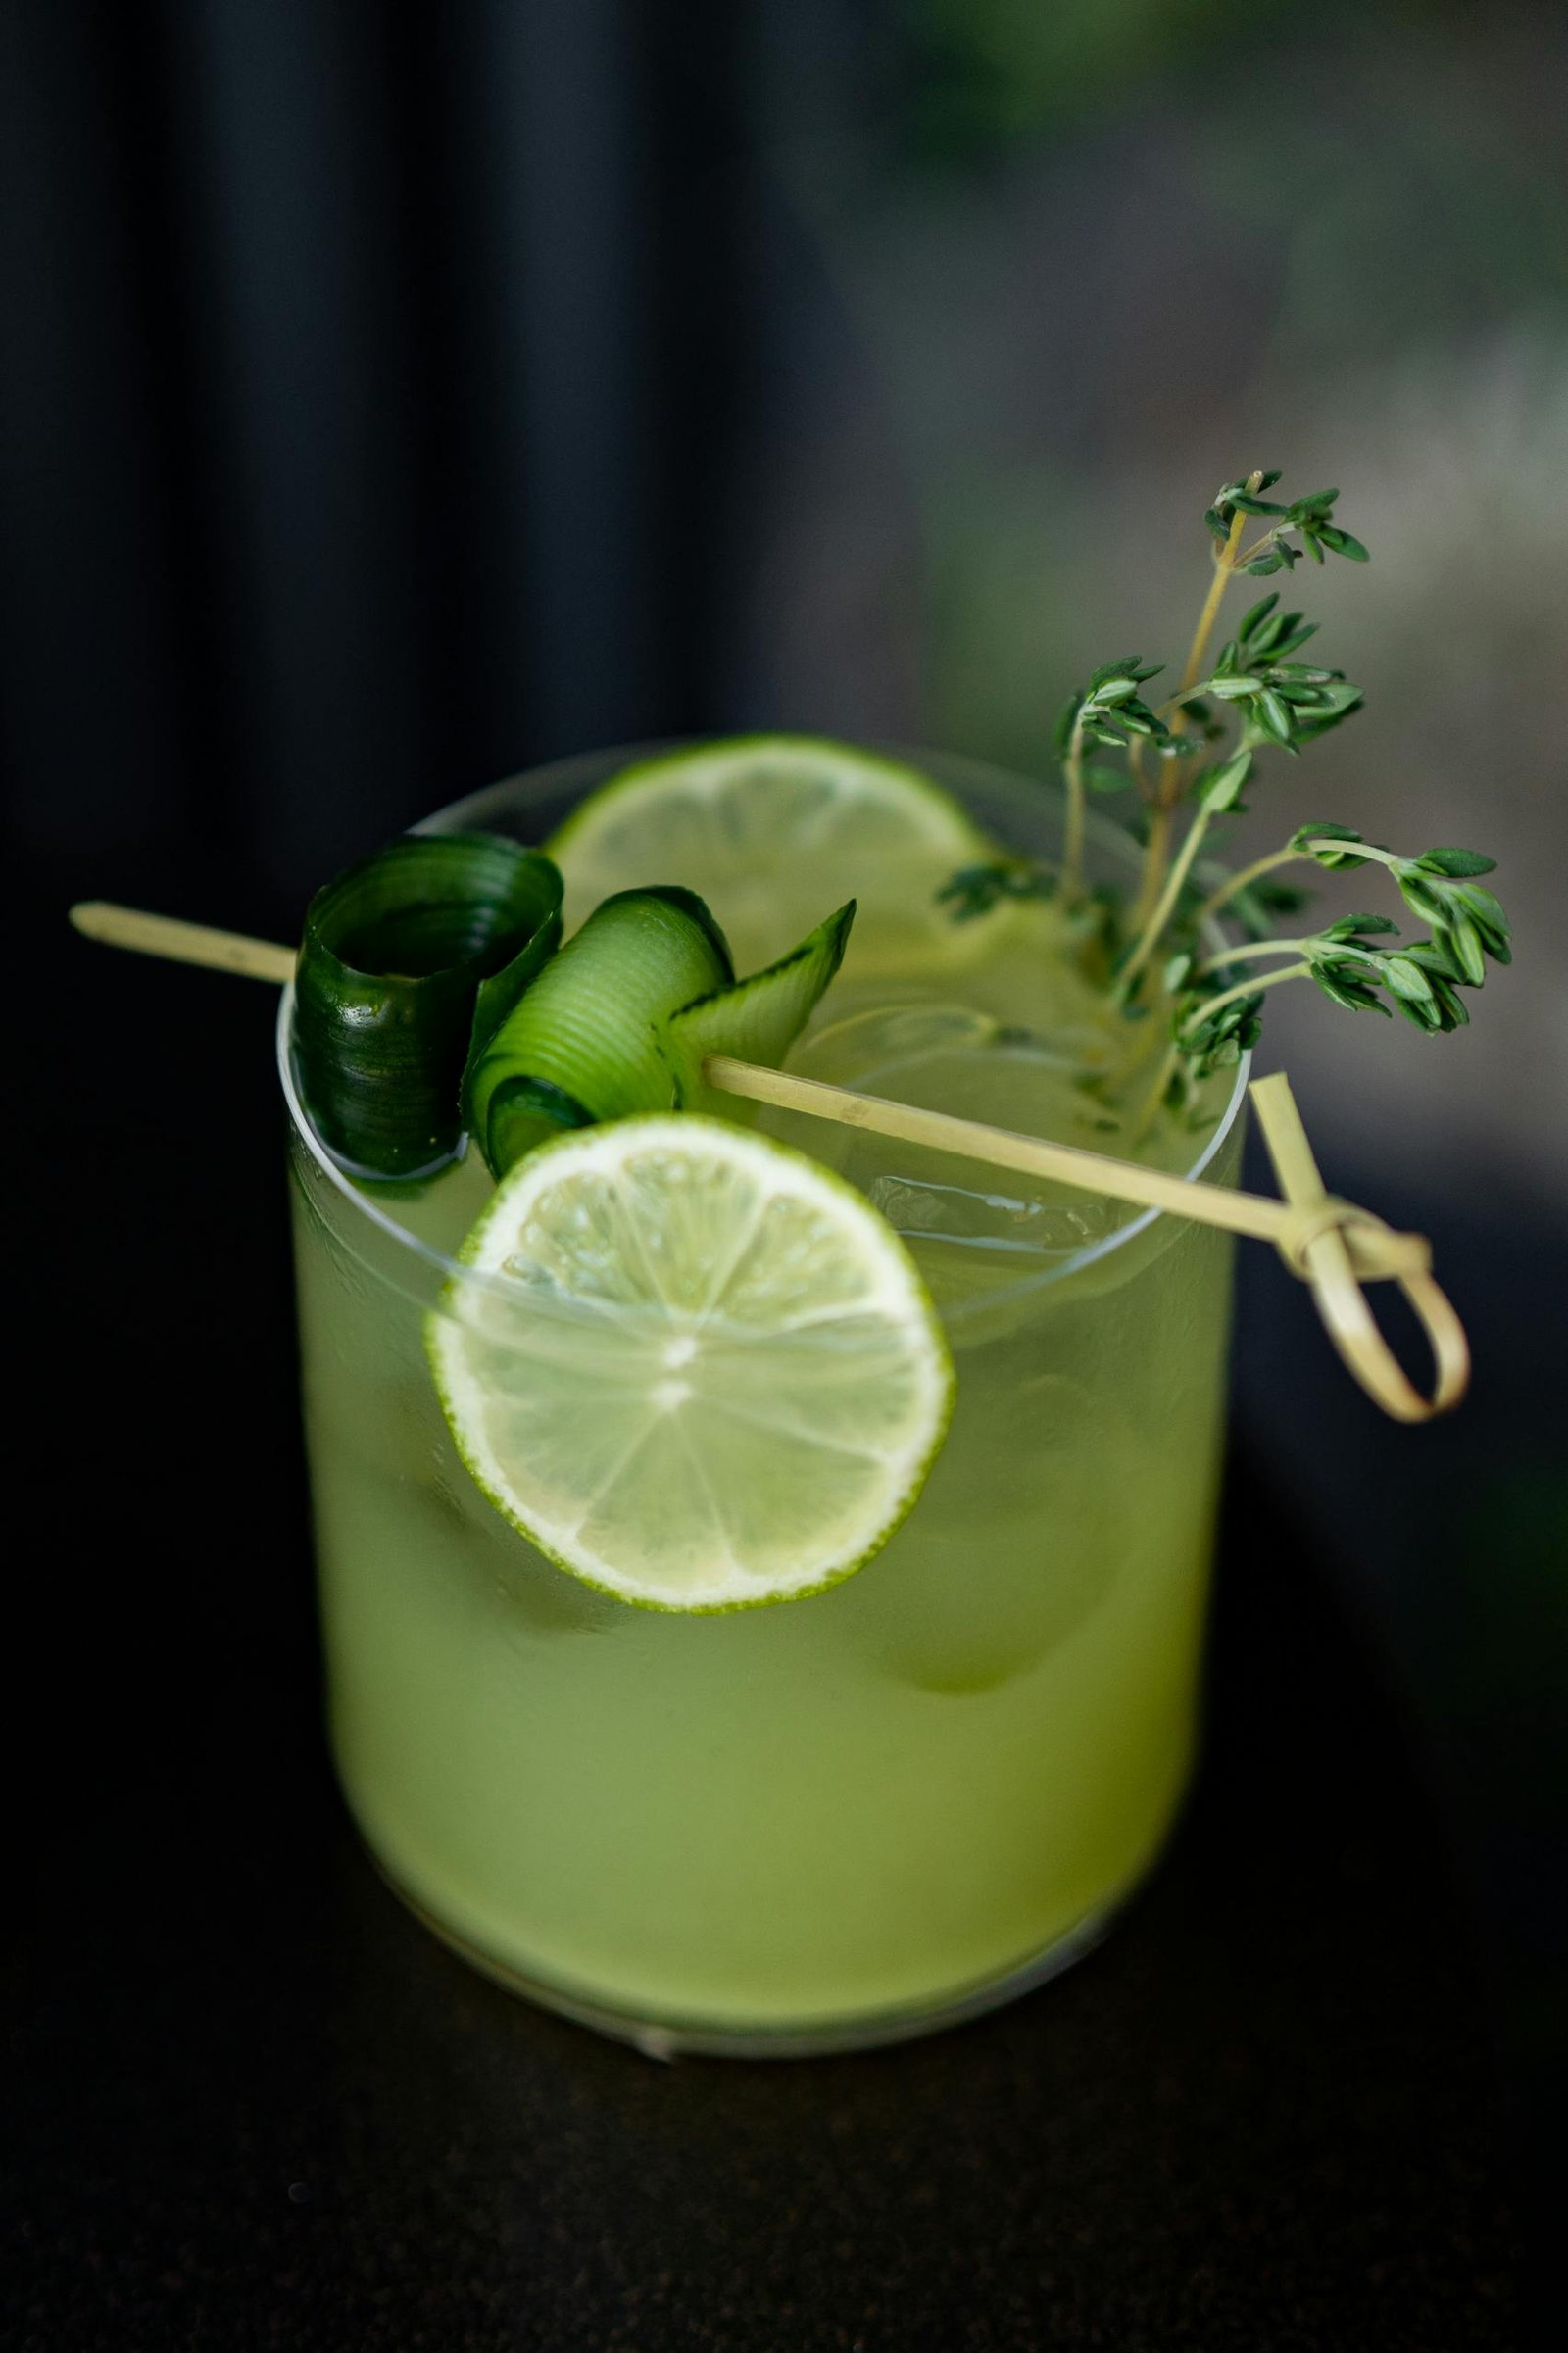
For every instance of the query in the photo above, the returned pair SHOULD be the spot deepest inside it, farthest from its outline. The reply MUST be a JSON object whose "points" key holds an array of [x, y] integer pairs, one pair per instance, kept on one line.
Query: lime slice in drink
{"points": [[769, 829], [710, 1377]]}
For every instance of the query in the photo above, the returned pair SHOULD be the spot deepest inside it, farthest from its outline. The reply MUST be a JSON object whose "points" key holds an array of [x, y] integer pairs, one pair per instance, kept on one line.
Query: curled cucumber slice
{"points": [[577, 1042], [396, 952], [757, 1020]]}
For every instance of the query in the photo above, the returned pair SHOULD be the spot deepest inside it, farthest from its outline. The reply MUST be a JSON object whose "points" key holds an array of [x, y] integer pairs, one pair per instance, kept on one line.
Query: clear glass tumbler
{"points": [[835, 1822]]}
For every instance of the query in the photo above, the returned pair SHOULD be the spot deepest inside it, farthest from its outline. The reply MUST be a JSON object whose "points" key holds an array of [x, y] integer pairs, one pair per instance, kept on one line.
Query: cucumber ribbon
{"points": [[757, 1020], [623, 1019], [397, 953]]}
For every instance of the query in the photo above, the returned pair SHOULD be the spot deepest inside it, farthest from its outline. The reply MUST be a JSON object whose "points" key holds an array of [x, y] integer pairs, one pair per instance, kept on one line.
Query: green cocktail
{"points": [[763, 1560], [851, 1816]]}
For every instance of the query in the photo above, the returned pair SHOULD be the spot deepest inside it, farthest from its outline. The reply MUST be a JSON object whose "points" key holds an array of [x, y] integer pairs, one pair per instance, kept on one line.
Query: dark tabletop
{"points": [[253, 2104]]}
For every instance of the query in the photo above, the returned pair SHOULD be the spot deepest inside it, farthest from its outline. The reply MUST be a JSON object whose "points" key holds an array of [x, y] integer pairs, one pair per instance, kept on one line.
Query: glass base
{"points": [[666, 2039]]}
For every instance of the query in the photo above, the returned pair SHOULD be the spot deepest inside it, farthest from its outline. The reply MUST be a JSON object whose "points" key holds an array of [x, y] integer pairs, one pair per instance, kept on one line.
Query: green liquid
{"points": [[842, 1810]]}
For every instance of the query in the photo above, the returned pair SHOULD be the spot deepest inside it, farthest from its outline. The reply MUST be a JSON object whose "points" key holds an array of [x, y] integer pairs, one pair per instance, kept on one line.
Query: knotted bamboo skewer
{"points": [[1330, 1244]]}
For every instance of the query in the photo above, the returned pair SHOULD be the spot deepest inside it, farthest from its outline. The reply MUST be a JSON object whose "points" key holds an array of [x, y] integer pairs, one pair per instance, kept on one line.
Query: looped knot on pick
{"points": [[1377, 1253], [1336, 1247]]}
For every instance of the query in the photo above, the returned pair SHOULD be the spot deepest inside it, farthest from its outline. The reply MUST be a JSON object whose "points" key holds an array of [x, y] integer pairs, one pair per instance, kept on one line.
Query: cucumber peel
{"points": [[757, 1020], [396, 950]]}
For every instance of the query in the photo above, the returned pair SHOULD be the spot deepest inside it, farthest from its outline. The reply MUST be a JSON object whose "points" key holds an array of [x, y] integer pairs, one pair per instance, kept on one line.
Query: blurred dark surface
{"points": [[391, 398]]}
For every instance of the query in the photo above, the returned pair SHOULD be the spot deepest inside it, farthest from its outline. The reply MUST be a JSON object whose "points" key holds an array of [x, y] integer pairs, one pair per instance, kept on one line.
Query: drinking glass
{"points": [[831, 1822]]}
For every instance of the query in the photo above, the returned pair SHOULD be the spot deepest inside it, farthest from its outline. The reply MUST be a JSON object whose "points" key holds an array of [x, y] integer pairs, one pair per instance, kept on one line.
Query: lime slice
{"points": [[712, 1376], [768, 829]]}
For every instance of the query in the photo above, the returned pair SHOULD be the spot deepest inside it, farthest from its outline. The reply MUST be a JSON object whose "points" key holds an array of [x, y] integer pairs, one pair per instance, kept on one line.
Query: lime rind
{"points": [[709, 768], [592, 1351], [763, 826]]}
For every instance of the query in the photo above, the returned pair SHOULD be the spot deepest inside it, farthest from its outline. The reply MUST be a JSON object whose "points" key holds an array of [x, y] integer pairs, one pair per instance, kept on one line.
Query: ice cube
{"points": [[968, 1222]]}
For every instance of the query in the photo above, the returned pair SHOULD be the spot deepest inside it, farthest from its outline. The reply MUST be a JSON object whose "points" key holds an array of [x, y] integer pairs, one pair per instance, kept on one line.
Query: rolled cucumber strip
{"points": [[396, 950], [579, 1042], [757, 1020]]}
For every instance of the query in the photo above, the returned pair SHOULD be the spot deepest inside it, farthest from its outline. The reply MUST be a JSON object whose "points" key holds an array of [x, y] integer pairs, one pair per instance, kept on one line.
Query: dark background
{"points": [[390, 399]]}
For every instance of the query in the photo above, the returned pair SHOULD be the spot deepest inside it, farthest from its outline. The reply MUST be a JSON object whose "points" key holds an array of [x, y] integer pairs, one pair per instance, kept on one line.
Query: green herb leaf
{"points": [[1349, 927], [1405, 978], [1340, 985], [1341, 543], [1252, 620], [1468, 918], [1273, 715], [1221, 788], [975, 890], [1455, 863]]}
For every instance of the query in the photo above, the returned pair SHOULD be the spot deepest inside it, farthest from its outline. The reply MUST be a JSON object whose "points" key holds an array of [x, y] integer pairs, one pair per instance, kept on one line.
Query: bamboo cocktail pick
{"points": [[183, 943], [1328, 1243]]}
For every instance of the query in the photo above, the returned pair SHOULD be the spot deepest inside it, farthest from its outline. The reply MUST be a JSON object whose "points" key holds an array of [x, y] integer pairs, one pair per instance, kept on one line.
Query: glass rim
{"points": [[450, 1270]]}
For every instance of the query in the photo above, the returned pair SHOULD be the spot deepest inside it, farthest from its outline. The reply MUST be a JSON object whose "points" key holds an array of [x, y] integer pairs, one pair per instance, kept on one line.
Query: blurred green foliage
{"points": [[990, 74]]}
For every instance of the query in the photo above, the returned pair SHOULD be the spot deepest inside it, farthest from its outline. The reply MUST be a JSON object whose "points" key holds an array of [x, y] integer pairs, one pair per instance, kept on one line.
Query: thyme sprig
{"points": [[1309, 519], [1197, 751], [1350, 964], [1110, 710]]}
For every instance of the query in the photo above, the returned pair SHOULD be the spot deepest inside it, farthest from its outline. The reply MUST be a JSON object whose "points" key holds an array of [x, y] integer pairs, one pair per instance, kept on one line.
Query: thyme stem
{"points": [[1224, 566], [1244, 955], [1149, 1109], [1072, 845], [1156, 848], [1253, 988], [1148, 937], [1241, 881], [1372, 850]]}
